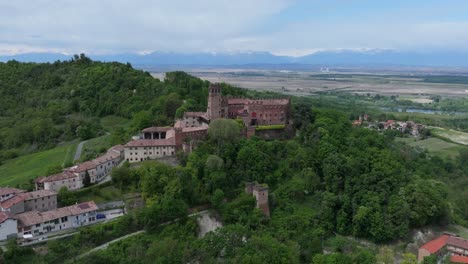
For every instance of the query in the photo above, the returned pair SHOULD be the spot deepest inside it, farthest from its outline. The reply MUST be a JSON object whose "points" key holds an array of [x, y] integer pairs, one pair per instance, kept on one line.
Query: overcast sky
{"points": [[285, 27]]}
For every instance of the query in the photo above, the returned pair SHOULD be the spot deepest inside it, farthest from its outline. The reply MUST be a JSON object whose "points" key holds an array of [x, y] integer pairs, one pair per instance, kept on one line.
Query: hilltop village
{"points": [[29, 214]]}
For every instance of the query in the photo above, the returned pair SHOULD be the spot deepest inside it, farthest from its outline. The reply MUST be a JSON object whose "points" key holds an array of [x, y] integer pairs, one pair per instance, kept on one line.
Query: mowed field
{"points": [[436, 146], [453, 135], [24, 168], [307, 83]]}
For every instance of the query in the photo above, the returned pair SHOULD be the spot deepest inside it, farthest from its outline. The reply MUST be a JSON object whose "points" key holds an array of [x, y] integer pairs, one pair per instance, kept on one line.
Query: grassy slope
{"points": [[435, 146], [30, 166], [94, 146], [100, 194], [450, 134]]}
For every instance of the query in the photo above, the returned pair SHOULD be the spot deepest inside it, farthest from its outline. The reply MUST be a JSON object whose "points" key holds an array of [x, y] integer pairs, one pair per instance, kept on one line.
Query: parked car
{"points": [[100, 216]]}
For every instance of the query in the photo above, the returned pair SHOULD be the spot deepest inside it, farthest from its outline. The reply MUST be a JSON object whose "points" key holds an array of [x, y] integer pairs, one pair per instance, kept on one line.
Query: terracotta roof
{"points": [[56, 177], [106, 157], [156, 129], [12, 201], [37, 194], [118, 148], [7, 190], [35, 217], [458, 242], [151, 142], [80, 167], [458, 259], [435, 245], [4, 216], [194, 114]]}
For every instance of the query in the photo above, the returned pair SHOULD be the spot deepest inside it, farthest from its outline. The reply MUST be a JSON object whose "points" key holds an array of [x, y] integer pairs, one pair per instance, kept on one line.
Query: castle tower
{"points": [[215, 108], [217, 104]]}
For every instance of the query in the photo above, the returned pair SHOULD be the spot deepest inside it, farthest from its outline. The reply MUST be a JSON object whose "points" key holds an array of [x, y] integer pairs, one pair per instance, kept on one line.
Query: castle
{"points": [[159, 142]]}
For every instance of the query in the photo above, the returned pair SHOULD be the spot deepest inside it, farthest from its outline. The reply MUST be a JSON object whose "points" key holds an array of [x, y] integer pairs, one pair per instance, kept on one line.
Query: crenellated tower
{"points": [[216, 106]]}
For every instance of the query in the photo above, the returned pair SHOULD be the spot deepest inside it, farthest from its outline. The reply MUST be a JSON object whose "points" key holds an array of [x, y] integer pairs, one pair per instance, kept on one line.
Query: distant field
{"points": [[306, 83], [435, 146], [453, 135], [30, 166]]}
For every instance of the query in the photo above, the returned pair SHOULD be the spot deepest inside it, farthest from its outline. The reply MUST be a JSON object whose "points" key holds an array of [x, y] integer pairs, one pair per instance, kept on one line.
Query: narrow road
{"points": [[79, 149], [105, 245]]}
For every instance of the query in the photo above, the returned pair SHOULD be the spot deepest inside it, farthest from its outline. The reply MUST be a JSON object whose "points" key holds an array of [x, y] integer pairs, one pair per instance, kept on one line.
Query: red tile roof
{"points": [[80, 167], [4, 216], [118, 148], [151, 142], [435, 245], [7, 190], [37, 194], [458, 242], [459, 259], [56, 177], [12, 201]]}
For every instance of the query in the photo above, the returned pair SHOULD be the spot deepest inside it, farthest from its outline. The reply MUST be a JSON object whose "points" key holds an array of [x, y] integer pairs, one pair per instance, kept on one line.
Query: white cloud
{"points": [[116, 26], [303, 38]]}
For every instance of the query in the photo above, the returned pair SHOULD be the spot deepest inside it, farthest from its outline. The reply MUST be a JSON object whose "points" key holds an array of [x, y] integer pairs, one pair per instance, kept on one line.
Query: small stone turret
{"points": [[260, 192]]}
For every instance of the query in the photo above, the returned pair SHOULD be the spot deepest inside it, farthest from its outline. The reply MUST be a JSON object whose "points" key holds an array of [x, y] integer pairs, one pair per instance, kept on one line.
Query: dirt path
{"points": [[79, 149]]}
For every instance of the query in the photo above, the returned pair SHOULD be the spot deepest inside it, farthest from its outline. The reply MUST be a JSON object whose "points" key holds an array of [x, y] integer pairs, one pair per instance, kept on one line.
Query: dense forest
{"points": [[331, 179], [329, 182]]}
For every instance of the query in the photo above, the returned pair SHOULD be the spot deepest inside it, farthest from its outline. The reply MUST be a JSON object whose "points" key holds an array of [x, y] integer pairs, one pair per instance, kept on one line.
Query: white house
{"points": [[8, 226], [38, 223]]}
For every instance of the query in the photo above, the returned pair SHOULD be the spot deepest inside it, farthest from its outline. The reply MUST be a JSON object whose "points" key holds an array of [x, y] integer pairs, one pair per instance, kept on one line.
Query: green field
{"points": [[435, 146], [100, 194], [95, 146], [452, 135], [24, 168]]}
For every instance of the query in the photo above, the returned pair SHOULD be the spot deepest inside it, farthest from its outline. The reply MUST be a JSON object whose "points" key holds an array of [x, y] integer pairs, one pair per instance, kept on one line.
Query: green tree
{"points": [[66, 197], [86, 179], [223, 131]]}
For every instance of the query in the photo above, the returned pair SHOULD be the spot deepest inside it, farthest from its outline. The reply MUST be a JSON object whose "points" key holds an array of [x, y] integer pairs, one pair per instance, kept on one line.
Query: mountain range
{"points": [[322, 58]]}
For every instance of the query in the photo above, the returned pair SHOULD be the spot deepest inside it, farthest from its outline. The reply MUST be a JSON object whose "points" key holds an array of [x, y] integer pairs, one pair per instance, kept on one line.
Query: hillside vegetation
{"points": [[44, 104], [329, 182]]}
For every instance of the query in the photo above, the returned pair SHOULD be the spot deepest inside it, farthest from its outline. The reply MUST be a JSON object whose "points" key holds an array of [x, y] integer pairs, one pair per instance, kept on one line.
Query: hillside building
{"points": [[6, 193], [454, 246], [73, 177], [38, 223], [41, 200], [160, 142]]}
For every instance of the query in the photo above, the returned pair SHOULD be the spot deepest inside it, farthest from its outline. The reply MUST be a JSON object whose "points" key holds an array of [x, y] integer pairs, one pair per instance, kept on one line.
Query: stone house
{"points": [[56, 181]]}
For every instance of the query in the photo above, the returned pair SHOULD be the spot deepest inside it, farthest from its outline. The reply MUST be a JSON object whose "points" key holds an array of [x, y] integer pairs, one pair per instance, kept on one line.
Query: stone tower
{"points": [[261, 195], [214, 102]]}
